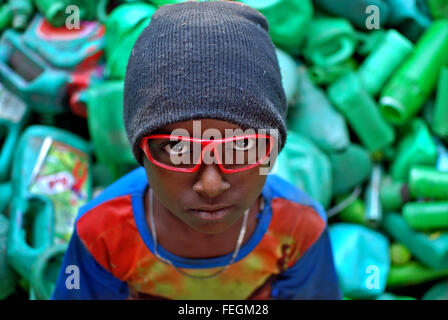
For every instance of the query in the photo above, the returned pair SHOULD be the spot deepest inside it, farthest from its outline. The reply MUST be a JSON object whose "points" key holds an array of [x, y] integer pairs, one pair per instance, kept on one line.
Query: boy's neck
{"points": [[180, 239]]}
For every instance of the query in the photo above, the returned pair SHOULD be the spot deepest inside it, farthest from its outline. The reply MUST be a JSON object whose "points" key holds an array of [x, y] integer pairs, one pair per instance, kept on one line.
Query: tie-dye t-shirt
{"points": [[288, 256]]}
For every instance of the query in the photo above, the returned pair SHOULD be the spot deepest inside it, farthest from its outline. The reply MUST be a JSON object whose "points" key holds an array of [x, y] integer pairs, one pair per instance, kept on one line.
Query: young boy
{"points": [[196, 223]]}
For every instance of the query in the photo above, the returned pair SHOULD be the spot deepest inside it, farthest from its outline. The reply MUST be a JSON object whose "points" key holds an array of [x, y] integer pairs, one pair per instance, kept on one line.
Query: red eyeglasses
{"points": [[185, 154]]}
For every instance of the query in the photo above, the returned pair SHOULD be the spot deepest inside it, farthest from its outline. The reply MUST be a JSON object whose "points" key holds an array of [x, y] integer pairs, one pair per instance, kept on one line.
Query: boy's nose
{"points": [[210, 181]]}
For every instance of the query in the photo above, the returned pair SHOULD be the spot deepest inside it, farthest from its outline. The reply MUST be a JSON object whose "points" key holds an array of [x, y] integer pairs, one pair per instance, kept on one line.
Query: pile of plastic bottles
{"points": [[367, 87]]}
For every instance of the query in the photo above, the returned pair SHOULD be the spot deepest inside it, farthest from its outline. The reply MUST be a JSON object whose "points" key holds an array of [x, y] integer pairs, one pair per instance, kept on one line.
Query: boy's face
{"points": [[197, 198]]}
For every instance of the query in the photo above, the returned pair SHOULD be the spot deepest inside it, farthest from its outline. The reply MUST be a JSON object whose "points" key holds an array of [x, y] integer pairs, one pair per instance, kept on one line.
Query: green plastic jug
{"points": [[426, 216], [437, 292], [399, 254], [55, 10], [8, 278], [350, 167], [51, 180], [5, 16], [42, 87], [412, 273], [440, 113], [362, 260], [305, 166], [123, 27], [405, 93], [22, 11], [14, 115], [106, 127], [438, 8], [328, 74], [428, 182], [383, 61], [315, 118], [63, 48], [416, 148], [361, 112], [330, 41], [290, 76], [288, 20], [355, 10], [393, 194], [429, 249]]}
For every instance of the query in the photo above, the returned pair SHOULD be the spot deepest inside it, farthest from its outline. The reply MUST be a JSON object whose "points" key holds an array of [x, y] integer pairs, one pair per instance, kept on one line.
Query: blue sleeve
{"points": [[81, 277], [313, 277]]}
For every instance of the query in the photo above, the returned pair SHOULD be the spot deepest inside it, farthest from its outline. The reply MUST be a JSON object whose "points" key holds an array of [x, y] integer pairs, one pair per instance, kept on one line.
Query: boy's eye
{"points": [[177, 147], [243, 144]]}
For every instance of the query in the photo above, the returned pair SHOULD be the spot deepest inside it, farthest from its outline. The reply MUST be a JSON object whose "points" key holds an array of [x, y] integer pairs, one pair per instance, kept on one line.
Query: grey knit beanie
{"points": [[203, 60]]}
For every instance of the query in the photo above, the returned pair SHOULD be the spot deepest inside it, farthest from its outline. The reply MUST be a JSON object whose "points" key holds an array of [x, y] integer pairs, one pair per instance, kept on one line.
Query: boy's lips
{"points": [[211, 213]]}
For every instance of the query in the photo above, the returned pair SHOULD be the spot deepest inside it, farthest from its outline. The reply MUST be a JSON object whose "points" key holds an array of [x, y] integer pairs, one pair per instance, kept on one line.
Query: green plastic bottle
{"points": [[440, 113], [14, 114], [303, 164], [63, 48], [8, 277], [426, 215], [26, 74], [361, 112], [383, 61], [123, 26], [290, 76], [51, 180], [56, 14], [405, 93], [330, 41], [106, 127], [439, 8], [315, 118], [429, 249], [288, 20], [412, 273], [416, 148], [22, 11], [350, 167], [393, 194], [428, 182]]}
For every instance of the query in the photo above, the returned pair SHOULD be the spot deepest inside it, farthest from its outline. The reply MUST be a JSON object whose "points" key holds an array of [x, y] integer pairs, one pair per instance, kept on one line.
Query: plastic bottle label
{"points": [[63, 179], [11, 107]]}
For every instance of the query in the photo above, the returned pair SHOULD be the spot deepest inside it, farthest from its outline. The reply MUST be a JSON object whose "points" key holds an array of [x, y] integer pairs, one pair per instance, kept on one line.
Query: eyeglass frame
{"points": [[205, 143]]}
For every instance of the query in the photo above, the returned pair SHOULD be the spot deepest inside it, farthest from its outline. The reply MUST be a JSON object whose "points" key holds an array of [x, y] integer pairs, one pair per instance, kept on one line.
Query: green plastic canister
{"points": [[440, 113], [361, 112], [405, 93], [429, 249], [426, 215], [8, 277], [55, 11], [51, 180], [289, 20], [315, 118], [26, 74], [428, 182], [123, 26], [417, 147], [330, 41], [14, 115]]}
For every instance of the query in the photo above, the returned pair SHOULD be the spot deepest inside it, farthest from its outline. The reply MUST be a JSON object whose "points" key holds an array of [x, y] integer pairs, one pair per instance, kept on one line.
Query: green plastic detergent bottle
{"points": [[303, 164], [416, 148], [329, 41], [14, 115], [51, 180], [408, 89], [355, 10], [361, 112], [8, 277], [440, 113], [5, 16], [70, 49], [290, 76], [362, 260], [58, 11], [22, 11], [383, 61], [412, 273], [123, 26], [315, 118], [429, 249], [288, 20], [26, 74], [106, 127], [438, 8]]}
